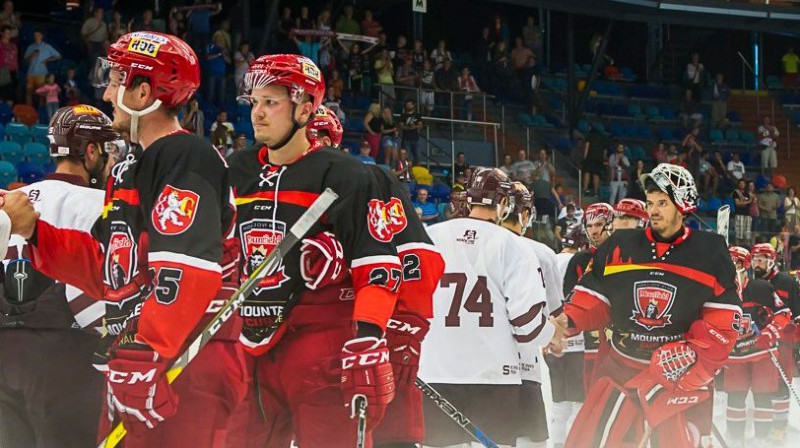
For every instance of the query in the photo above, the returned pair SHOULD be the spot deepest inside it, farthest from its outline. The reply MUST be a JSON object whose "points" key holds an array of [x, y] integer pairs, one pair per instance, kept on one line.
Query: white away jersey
{"points": [[575, 343], [68, 206], [488, 309]]}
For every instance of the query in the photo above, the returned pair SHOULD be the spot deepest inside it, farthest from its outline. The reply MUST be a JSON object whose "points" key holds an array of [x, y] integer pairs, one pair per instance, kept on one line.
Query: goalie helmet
{"points": [[676, 182], [325, 120], [633, 208]]}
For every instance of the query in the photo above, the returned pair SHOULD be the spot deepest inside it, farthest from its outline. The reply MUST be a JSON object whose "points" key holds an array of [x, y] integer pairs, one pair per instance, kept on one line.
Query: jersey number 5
{"points": [[479, 300]]}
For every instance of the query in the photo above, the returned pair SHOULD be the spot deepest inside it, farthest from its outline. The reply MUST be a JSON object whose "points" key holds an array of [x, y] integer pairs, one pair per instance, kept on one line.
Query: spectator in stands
{"points": [[660, 152], [446, 77], [389, 139], [9, 65], [402, 170], [346, 23], [507, 166], [119, 27], [309, 46], [726, 179], [304, 21], [768, 143], [634, 186], [794, 248], [418, 54], [543, 185], [523, 169], [200, 21], [194, 121], [94, 32], [332, 102], [440, 55], [384, 70], [401, 52], [594, 151], [10, 18], [545, 171], [720, 93], [224, 31], [768, 201], [460, 166], [50, 91], [285, 25], [411, 125], [323, 21], [791, 208], [373, 124], [694, 77], [790, 60], [693, 150], [735, 167], [743, 222], [532, 36], [709, 176], [72, 94], [222, 129], [406, 76], [364, 151], [241, 61], [520, 54], [618, 167], [558, 197], [430, 214], [427, 84], [484, 49], [467, 86], [217, 59], [369, 26], [38, 55], [336, 83], [146, 24], [500, 30], [239, 143], [566, 222]]}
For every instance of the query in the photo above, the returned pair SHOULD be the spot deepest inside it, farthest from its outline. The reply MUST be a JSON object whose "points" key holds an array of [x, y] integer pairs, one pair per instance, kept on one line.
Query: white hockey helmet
{"points": [[676, 182]]}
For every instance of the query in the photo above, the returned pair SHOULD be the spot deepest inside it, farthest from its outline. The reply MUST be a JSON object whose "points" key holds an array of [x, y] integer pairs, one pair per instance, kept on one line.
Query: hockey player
{"points": [[325, 129], [171, 272], [749, 368], [630, 214], [48, 330], [315, 326], [788, 290], [668, 296], [487, 314]]}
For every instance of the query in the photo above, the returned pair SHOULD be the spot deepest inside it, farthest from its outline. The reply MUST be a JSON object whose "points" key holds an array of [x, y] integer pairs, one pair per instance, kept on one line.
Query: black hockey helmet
{"points": [[72, 128]]}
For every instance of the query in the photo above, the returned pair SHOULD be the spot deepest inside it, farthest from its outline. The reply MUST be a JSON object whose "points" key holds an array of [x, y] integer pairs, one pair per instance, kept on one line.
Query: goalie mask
{"points": [[676, 182]]}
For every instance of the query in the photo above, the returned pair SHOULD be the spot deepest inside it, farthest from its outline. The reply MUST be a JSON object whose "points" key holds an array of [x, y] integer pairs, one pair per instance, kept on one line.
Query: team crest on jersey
{"points": [[653, 301], [174, 210], [386, 219], [743, 324], [469, 237], [121, 257], [258, 238]]}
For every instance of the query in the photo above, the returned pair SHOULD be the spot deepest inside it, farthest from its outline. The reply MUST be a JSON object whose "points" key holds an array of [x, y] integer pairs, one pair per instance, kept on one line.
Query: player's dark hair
{"points": [[650, 186], [141, 79]]}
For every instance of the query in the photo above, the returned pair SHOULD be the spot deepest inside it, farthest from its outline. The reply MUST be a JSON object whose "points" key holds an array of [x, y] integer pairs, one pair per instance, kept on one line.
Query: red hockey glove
{"points": [[768, 338], [366, 371], [674, 364], [322, 261], [138, 387], [404, 334]]}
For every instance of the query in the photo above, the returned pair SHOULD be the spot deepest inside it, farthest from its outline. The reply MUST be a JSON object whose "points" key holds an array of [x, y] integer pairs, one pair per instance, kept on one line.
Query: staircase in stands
{"points": [[753, 107]]}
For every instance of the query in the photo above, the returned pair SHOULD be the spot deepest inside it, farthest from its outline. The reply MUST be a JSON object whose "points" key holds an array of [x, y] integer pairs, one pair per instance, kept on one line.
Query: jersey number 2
{"points": [[479, 300]]}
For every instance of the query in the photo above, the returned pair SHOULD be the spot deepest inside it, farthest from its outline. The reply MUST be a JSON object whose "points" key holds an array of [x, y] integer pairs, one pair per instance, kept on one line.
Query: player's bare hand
{"points": [[21, 213], [558, 343]]}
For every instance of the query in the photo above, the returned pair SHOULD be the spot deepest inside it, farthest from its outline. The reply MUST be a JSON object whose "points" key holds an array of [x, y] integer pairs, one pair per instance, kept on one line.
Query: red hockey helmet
{"points": [[633, 208], [169, 64], [677, 182], [742, 255], [597, 211], [487, 186], [74, 127], [327, 121], [519, 201], [765, 250], [299, 74], [575, 237]]}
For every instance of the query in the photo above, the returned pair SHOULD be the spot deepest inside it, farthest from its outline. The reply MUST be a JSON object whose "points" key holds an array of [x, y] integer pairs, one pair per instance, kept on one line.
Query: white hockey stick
{"points": [[723, 221], [272, 261]]}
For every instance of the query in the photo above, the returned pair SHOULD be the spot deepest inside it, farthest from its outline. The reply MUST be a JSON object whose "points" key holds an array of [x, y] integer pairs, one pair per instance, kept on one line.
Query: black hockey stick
{"points": [[360, 411], [785, 378], [270, 263], [456, 415]]}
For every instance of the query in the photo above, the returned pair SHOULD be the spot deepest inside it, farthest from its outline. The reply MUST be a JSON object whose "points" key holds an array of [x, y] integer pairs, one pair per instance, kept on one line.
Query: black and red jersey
{"points": [[423, 265], [760, 302], [154, 253], [578, 265], [787, 288], [649, 292], [271, 198]]}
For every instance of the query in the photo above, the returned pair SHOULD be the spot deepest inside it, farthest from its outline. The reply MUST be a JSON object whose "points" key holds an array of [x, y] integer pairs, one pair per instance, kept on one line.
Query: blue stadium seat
{"points": [[665, 133], [10, 152], [638, 153], [30, 172], [635, 111], [616, 130], [39, 134], [734, 118], [714, 204], [669, 113], [6, 114], [653, 113], [631, 131], [8, 173], [18, 132], [732, 136], [599, 127], [746, 158], [526, 119], [748, 137], [36, 153], [761, 182], [645, 132], [584, 127], [729, 201], [716, 137]]}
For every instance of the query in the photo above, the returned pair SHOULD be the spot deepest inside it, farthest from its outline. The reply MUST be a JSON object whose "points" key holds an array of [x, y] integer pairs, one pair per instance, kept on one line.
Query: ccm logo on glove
{"points": [[131, 377], [365, 359], [402, 327]]}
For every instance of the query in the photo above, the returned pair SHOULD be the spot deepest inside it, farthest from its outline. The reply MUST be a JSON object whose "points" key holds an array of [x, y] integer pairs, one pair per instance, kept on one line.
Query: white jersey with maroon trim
{"points": [[68, 206], [487, 310]]}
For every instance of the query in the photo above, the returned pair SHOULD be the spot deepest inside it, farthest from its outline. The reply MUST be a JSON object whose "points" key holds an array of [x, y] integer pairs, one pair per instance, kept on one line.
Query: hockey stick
{"points": [[718, 434], [456, 415], [723, 221], [783, 376], [360, 411], [272, 261]]}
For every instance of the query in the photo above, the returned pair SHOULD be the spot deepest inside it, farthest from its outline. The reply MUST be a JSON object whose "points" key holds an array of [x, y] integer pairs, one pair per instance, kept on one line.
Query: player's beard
{"points": [[760, 273]]}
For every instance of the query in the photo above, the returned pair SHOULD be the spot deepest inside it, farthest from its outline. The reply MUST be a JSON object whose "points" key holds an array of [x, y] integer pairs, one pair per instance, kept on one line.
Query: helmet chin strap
{"points": [[295, 127], [135, 114]]}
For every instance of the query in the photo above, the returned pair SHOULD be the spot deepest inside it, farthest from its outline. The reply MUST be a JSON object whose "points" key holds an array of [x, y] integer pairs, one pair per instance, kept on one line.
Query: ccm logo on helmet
{"points": [[141, 66], [403, 327], [365, 359], [132, 377]]}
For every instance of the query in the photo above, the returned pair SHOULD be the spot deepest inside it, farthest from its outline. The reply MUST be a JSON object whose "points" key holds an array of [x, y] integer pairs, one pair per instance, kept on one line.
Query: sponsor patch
{"points": [[175, 210], [145, 46], [85, 110], [258, 238], [469, 237], [121, 256], [311, 70], [653, 301], [386, 219]]}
